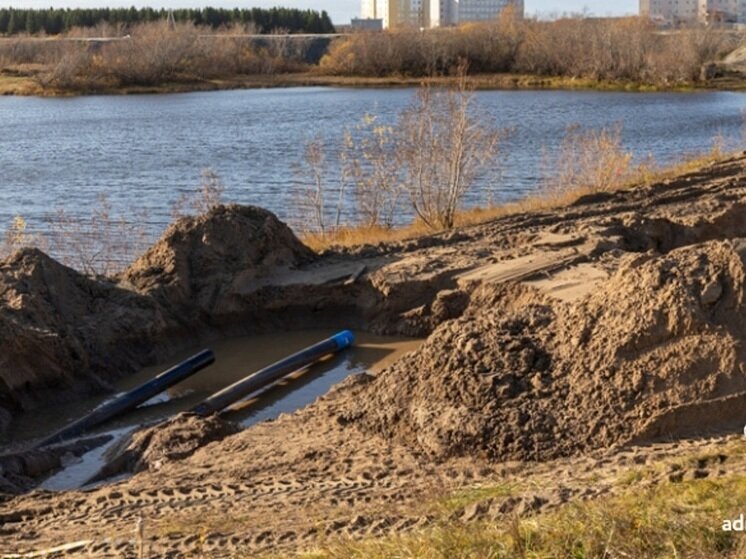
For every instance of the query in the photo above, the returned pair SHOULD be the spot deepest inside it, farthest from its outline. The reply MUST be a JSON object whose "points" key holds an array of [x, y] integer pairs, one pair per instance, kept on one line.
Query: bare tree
{"points": [[442, 147], [313, 195], [369, 163]]}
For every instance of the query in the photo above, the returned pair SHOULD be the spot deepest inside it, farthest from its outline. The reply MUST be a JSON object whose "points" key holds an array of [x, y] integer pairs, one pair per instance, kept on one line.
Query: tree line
{"points": [[57, 21]]}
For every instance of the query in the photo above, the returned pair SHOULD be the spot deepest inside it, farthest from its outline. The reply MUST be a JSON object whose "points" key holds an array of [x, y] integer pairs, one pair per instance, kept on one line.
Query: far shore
{"points": [[24, 84]]}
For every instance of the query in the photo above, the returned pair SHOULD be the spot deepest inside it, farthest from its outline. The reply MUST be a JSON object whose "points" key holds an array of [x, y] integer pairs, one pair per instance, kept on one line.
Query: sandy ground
{"points": [[604, 327]]}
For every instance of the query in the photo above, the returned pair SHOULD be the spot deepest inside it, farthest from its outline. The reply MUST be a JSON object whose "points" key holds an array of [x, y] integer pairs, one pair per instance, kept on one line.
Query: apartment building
{"points": [[674, 12], [397, 13], [483, 10], [435, 13], [721, 11], [670, 11]]}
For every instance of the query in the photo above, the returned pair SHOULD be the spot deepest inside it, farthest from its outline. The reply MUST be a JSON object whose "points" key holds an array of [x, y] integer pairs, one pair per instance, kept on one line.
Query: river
{"points": [[145, 151]]}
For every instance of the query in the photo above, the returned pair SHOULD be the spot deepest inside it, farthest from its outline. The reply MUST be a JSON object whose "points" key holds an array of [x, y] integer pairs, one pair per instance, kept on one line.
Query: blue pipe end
{"points": [[344, 339]]}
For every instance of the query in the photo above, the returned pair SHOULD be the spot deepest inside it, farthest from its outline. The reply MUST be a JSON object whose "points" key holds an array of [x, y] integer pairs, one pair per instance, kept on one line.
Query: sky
{"points": [[340, 10]]}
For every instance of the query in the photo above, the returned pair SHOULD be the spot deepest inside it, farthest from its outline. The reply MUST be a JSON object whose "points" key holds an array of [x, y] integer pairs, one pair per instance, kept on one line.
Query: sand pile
{"points": [[524, 376], [199, 259]]}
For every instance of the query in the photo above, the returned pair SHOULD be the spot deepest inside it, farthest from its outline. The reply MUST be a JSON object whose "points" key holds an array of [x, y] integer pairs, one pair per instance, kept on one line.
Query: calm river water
{"points": [[145, 151]]}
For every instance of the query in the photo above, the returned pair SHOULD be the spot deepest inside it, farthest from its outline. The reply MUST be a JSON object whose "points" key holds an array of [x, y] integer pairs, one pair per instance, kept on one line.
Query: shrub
{"points": [[209, 195], [588, 160], [99, 244], [430, 157], [622, 49], [442, 147], [157, 53]]}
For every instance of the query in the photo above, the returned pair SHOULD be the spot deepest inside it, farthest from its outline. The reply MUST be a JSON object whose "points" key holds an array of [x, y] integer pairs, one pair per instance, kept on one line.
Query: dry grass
{"points": [[19, 85], [17, 236], [363, 235], [648, 516], [670, 521]]}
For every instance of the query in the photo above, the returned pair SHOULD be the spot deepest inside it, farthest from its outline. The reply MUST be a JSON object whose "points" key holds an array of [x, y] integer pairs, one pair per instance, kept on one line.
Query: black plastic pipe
{"points": [[134, 397], [273, 373]]}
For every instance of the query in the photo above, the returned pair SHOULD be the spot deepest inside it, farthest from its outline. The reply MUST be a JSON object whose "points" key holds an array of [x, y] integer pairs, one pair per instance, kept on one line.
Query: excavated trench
{"points": [[236, 357], [238, 354], [102, 337]]}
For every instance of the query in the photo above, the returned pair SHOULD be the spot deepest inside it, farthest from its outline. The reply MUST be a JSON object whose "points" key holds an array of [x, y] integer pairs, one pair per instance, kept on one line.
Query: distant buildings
{"points": [[367, 24], [712, 12], [453, 12], [722, 11], [435, 13]]}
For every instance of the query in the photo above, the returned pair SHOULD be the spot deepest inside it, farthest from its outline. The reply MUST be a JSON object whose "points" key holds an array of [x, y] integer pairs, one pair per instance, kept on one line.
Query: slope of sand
{"points": [[562, 346]]}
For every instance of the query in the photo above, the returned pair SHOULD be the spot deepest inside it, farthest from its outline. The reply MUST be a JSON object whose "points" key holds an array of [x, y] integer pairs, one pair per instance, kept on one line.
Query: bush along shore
{"points": [[625, 53]]}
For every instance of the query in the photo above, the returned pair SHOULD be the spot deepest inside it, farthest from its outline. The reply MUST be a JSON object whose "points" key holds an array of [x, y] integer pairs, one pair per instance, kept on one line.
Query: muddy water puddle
{"points": [[235, 359]]}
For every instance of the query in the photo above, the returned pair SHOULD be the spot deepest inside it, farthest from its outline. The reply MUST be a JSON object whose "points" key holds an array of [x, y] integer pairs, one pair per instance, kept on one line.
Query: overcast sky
{"points": [[340, 10]]}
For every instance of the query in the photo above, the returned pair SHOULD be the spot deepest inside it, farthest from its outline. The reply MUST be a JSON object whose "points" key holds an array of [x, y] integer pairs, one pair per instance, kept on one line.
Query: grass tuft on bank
{"points": [[681, 520]]}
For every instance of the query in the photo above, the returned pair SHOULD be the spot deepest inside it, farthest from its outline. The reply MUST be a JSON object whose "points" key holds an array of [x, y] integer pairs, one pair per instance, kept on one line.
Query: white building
{"points": [[455, 12], [397, 13], [484, 10], [443, 12], [373, 9], [670, 11], [673, 12], [720, 11], [435, 13]]}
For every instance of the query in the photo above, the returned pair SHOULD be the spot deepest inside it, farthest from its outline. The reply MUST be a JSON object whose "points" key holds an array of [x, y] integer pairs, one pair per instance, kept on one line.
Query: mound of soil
{"points": [[175, 439], [200, 259], [521, 375], [60, 329]]}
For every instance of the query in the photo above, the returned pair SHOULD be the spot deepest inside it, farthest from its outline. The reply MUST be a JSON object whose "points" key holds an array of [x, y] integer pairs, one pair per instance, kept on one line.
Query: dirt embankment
{"points": [[553, 336], [63, 332]]}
